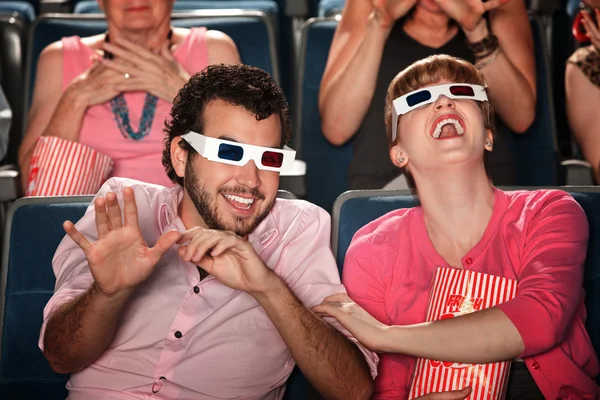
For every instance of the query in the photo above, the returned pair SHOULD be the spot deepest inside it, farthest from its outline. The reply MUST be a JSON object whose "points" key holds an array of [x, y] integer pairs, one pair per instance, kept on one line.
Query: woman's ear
{"points": [[489, 141], [178, 156], [398, 156]]}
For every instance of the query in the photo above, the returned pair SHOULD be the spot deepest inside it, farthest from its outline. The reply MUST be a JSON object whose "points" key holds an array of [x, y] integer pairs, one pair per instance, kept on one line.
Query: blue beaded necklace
{"points": [[121, 111]]}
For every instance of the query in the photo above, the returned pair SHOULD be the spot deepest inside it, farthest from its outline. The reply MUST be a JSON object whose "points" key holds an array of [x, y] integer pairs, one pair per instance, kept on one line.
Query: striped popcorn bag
{"points": [[456, 292], [61, 167]]}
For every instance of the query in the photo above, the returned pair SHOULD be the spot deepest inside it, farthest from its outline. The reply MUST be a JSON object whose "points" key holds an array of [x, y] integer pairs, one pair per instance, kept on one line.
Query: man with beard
{"points": [[201, 291]]}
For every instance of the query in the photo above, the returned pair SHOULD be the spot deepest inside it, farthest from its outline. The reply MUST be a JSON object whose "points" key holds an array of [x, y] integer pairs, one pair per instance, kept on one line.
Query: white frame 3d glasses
{"points": [[427, 95]]}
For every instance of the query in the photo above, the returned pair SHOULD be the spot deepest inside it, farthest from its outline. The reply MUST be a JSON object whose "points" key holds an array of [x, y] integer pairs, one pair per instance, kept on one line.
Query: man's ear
{"points": [[179, 157]]}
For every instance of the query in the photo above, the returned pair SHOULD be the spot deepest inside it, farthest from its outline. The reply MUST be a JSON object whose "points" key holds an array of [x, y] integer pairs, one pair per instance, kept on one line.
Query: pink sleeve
{"points": [[363, 277], [313, 273], [550, 283]]}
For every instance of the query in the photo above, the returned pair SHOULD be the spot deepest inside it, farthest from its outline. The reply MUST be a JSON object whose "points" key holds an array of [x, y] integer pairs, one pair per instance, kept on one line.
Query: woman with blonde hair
{"points": [[439, 125]]}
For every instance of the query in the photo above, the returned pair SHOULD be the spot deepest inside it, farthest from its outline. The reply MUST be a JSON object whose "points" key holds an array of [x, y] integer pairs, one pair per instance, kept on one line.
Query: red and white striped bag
{"points": [[61, 167], [456, 292]]}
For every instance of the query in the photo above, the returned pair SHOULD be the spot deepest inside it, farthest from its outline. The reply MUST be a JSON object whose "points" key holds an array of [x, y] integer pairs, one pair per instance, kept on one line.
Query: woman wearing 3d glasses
{"points": [[377, 38], [438, 124]]}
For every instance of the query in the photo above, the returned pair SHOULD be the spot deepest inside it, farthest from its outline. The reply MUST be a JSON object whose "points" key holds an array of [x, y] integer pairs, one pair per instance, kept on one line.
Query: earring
{"points": [[488, 142], [400, 160]]}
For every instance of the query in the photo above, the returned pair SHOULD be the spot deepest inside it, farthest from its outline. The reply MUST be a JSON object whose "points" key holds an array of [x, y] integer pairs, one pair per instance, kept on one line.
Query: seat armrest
{"points": [[578, 172], [10, 189], [296, 8], [55, 6]]}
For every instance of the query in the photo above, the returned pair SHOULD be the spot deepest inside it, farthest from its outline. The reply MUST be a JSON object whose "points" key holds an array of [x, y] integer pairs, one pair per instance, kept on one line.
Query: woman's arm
{"points": [[349, 80], [51, 110], [511, 76]]}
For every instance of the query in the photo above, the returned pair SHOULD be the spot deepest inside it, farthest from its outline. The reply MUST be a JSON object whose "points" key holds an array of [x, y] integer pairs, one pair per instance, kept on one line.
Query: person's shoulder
{"points": [[52, 53], [221, 47], [539, 198], [385, 229], [297, 214], [541, 203], [144, 192]]}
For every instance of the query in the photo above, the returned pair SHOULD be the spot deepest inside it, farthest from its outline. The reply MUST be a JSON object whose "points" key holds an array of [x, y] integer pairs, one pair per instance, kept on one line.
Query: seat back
{"points": [[326, 165], [535, 151], [355, 209], [13, 37], [23, 9], [329, 8], [252, 31], [33, 231]]}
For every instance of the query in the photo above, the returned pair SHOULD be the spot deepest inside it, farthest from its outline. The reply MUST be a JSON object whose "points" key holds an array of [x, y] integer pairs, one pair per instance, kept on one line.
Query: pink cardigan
{"points": [[537, 237]]}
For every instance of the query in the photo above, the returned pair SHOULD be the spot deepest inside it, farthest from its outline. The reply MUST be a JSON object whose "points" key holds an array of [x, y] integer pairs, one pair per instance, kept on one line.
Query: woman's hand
{"points": [[155, 72], [386, 12], [592, 28], [468, 13], [366, 329], [96, 85]]}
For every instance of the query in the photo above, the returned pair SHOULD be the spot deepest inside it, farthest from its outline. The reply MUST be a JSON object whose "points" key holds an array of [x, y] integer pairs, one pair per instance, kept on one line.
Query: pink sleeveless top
{"points": [[141, 159]]}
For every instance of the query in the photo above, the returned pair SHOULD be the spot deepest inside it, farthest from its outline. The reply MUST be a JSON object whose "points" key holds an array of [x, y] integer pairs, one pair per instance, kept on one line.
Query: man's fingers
{"points": [[101, 218], [224, 245], [130, 212], [164, 243], [190, 234], [202, 246], [77, 237], [491, 4], [113, 211]]}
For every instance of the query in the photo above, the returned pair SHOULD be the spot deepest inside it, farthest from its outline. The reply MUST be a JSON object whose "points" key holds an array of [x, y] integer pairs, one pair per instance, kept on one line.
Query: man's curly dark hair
{"points": [[238, 85]]}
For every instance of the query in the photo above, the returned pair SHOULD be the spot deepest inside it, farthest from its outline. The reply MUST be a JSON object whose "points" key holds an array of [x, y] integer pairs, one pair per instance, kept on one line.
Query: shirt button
{"points": [[178, 335], [468, 260], [535, 365], [196, 289]]}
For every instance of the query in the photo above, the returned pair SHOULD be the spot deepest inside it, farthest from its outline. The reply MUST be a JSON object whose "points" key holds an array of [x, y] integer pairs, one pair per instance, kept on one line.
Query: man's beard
{"points": [[206, 204]]}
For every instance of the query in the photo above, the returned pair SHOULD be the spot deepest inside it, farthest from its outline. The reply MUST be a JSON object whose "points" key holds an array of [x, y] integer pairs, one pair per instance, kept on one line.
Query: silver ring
{"points": [[126, 76]]}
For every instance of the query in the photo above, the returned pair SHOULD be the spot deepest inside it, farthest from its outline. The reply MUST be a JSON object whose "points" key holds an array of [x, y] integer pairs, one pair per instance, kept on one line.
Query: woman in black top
{"points": [[376, 39]]}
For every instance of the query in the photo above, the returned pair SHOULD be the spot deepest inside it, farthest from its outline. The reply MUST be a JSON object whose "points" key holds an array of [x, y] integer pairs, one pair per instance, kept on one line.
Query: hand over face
{"points": [[468, 13], [120, 259], [155, 72], [593, 28], [388, 11], [228, 257]]}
